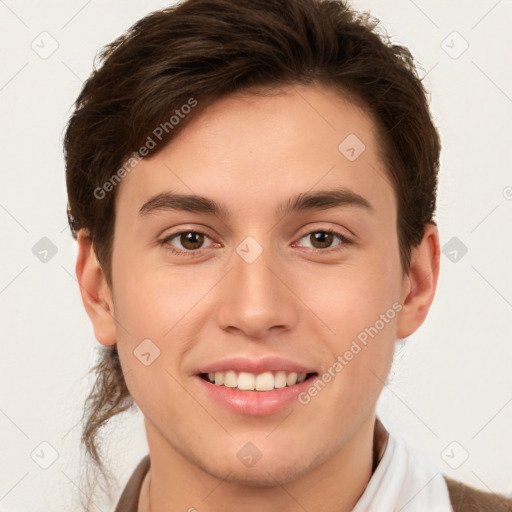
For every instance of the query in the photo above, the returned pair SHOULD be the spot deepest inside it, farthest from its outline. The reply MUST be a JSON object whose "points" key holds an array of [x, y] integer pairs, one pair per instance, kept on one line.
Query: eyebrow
{"points": [[306, 201]]}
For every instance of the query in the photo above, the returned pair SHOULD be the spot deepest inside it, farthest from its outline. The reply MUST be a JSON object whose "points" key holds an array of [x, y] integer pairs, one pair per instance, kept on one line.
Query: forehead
{"points": [[252, 150]]}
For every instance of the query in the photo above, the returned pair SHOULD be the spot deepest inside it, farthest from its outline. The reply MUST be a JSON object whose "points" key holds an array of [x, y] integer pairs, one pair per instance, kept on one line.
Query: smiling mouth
{"points": [[266, 381]]}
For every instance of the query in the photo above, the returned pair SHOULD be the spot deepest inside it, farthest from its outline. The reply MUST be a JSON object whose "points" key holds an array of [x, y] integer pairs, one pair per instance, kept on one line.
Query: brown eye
{"points": [[191, 240], [324, 241], [321, 239], [186, 242]]}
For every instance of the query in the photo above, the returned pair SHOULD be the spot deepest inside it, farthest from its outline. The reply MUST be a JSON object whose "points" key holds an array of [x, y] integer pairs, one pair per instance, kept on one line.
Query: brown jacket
{"points": [[462, 497]]}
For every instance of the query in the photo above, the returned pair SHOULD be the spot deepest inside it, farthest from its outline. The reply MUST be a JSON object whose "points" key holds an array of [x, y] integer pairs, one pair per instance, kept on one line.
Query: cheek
{"points": [[150, 300], [157, 310], [352, 297], [361, 309], [360, 353], [151, 313]]}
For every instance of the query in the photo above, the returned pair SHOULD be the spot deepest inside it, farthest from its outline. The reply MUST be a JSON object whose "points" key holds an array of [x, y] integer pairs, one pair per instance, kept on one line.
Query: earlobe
{"points": [[420, 284], [95, 292]]}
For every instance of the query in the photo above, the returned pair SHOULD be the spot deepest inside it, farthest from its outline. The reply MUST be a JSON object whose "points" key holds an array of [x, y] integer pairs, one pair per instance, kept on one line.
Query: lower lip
{"points": [[254, 403]]}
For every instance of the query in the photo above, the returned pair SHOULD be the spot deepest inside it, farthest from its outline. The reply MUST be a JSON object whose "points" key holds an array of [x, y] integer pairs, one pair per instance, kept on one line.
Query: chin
{"points": [[262, 473]]}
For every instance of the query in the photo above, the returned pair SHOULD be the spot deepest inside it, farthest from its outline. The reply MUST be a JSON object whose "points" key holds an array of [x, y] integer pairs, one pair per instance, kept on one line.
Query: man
{"points": [[252, 186]]}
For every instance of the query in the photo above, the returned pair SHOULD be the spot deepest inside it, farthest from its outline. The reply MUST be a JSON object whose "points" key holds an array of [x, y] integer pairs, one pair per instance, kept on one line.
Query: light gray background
{"points": [[452, 380]]}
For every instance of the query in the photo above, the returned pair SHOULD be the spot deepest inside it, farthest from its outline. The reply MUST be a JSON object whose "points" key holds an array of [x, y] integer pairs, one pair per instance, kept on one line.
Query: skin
{"points": [[252, 153]]}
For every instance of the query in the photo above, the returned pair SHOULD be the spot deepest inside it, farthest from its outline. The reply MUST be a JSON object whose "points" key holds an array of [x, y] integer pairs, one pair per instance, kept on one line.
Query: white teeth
{"points": [[265, 381], [245, 381], [230, 379], [291, 379], [280, 380]]}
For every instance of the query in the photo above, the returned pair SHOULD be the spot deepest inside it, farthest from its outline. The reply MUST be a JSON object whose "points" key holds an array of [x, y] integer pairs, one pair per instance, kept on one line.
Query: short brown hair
{"points": [[208, 49]]}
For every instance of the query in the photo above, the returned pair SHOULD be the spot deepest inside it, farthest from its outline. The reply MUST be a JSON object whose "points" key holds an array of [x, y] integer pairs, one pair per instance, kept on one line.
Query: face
{"points": [[258, 278]]}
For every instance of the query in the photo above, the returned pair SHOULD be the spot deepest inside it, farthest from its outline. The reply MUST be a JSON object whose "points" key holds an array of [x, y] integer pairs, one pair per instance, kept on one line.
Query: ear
{"points": [[419, 285], [96, 294]]}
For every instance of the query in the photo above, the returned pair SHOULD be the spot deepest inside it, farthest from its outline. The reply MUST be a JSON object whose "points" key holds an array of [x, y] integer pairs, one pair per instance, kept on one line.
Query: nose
{"points": [[256, 299]]}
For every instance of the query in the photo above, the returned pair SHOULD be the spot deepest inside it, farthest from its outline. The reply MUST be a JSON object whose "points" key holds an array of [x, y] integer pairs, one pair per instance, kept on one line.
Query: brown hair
{"points": [[204, 50]]}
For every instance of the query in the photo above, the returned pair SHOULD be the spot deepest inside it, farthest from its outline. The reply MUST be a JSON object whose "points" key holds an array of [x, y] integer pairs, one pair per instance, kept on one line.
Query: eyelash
{"points": [[193, 253]]}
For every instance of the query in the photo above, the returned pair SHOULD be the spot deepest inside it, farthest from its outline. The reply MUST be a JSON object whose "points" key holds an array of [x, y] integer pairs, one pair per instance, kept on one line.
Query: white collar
{"points": [[404, 480]]}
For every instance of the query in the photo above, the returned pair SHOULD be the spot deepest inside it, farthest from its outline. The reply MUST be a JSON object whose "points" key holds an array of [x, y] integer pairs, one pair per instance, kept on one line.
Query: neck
{"points": [[334, 485]]}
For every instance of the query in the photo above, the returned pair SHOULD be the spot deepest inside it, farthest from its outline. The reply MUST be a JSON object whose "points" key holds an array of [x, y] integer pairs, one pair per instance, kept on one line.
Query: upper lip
{"points": [[256, 366]]}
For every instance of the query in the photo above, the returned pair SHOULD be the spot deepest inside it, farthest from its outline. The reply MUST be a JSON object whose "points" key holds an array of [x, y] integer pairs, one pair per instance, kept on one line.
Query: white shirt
{"points": [[404, 481]]}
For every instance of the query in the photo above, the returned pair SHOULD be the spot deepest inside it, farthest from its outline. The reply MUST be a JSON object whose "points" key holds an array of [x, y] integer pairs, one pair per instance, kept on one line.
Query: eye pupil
{"points": [[191, 240], [324, 238]]}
